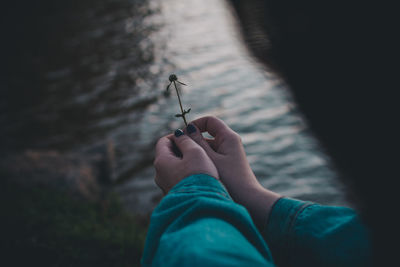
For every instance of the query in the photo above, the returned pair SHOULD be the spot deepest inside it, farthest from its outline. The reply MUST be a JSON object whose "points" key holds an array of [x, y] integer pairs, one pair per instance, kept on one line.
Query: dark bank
{"points": [[65, 77]]}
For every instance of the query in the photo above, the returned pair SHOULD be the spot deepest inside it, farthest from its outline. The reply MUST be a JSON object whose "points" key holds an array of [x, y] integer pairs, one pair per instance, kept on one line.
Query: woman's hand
{"points": [[227, 153], [172, 165]]}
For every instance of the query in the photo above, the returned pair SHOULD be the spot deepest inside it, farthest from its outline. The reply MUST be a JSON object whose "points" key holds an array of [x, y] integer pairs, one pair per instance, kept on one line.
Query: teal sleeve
{"points": [[198, 224], [307, 234]]}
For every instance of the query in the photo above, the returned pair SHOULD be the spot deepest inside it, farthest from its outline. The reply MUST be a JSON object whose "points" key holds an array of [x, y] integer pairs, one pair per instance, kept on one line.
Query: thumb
{"points": [[185, 144], [195, 134]]}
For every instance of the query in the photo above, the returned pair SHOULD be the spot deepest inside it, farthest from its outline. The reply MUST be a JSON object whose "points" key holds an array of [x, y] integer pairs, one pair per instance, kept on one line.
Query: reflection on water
{"points": [[104, 80], [206, 53]]}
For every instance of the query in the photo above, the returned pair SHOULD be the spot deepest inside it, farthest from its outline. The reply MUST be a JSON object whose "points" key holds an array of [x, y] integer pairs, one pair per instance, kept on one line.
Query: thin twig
{"points": [[180, 104]]}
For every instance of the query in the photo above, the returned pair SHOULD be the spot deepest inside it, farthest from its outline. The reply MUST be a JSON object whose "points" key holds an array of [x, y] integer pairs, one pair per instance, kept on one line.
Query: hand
{"points": [[172, 168], [227, 152]]}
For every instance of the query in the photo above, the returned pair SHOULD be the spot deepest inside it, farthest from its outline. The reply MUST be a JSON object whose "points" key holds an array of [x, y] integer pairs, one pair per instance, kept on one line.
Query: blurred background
{"points": [[82, 105]]}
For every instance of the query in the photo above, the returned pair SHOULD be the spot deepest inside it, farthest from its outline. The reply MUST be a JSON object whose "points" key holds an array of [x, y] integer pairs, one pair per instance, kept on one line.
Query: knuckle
{"points": [[196, 137], [159, 141], [194, 150], [212, 117], [184, 141], [234, 137], [156, 163], [238, 138]]}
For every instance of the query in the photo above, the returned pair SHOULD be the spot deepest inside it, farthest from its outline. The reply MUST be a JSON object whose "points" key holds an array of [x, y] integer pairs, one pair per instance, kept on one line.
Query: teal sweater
{"points": [[198, 224]]}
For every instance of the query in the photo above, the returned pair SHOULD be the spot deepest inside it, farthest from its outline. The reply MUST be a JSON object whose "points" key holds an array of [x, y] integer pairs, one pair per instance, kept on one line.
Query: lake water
{"points": [[205, 51], [104, 79]]}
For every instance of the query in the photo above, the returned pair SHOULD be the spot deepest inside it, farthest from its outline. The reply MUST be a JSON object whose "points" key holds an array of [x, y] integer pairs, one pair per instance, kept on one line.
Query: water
{"points": [[205, 51], [107, 86]]}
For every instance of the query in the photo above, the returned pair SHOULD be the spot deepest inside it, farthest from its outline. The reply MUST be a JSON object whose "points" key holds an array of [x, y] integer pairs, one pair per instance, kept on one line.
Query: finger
{"points": [[212, 125], [164, 145], [194, 133], [185, 144], [212, 143], [166, 152]]}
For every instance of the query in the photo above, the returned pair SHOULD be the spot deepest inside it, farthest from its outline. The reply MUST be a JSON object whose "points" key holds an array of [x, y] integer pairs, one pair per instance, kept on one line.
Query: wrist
{"points": [[259, 202]]}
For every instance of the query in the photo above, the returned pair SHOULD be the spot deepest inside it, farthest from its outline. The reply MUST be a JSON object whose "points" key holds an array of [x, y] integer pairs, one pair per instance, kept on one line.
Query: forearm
{"points": [[259, 203]]}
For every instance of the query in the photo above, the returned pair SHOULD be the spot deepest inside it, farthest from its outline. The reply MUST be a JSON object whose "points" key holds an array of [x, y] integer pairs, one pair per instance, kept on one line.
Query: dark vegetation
{"points": [[43, 227]]}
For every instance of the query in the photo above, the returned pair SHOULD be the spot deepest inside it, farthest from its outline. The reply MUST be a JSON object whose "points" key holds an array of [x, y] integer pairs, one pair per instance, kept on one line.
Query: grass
{"points": [[41, 227]]}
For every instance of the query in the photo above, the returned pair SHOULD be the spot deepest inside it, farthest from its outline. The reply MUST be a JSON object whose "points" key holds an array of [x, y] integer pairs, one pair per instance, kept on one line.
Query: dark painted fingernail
{"points": [[178, 133], [191, 129]]}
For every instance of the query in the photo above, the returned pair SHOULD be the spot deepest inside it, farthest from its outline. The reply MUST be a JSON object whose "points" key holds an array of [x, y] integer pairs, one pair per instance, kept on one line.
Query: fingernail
{"points": [[178, 132], [191, 129]]}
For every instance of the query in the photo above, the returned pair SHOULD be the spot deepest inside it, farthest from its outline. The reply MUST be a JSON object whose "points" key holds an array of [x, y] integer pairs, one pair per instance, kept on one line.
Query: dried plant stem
{"points": [[180, 104], [174, 79]]}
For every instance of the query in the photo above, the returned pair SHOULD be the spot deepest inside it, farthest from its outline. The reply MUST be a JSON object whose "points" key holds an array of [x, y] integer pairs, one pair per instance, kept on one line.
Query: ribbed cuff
{"points": [[200, 183], [278, 232]]}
